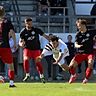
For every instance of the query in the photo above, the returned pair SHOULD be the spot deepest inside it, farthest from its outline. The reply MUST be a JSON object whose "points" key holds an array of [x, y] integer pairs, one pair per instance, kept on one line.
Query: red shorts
{"points": [[79, 58], [6, 55], [31, 53]]}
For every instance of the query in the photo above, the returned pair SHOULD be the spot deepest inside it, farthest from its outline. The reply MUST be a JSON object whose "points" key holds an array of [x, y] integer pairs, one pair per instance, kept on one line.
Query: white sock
{"points": [[11, 82], [27, 74], [41, 75]]}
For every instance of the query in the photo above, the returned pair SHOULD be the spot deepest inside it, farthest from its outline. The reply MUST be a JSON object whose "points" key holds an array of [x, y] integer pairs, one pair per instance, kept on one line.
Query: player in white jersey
{"points": [[59, 50]]}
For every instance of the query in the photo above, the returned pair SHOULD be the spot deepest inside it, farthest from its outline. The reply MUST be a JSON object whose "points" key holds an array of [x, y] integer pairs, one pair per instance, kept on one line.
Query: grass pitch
{"points": [[49, 89]]}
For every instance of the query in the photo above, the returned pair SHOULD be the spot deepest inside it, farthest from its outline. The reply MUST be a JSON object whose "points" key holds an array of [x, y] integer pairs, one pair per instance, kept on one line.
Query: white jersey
{"points": [[62, 48]]}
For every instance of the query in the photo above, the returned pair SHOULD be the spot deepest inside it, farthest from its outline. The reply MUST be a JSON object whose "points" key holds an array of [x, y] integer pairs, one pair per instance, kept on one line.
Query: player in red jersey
{"points": [[7, 30], [84, 44], [29, 40]]}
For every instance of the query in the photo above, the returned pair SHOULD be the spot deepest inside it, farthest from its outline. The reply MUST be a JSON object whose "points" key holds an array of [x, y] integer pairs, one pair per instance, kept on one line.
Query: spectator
{"points": [[61, 3], [53, 3], [43, 7], [57, 3], [71, 48]]}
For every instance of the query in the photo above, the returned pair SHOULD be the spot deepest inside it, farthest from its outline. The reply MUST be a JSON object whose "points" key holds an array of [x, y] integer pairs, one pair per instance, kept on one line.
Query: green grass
{"points": [[49, 89]]}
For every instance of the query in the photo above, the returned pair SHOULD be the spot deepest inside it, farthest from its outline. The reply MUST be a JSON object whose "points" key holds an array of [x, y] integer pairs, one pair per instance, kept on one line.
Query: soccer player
{"points": [[59, 50], [84, 43], [6, 30], [29, 40]]}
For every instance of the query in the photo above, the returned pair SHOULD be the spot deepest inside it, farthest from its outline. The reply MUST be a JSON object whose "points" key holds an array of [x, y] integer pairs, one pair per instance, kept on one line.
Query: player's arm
{"points": [[43, 54], [42, 33], [39, 58], [46, 36], [21, 43], [77, 45], [12, 34], [58, 59], [77, 40], [64, 52]]}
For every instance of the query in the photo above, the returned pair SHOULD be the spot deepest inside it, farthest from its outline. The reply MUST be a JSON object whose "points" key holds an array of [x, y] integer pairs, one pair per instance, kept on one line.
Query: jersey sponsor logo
{"points": [[80, 36], [32, 32], [87, 35], [26, 34], [31, 38]]}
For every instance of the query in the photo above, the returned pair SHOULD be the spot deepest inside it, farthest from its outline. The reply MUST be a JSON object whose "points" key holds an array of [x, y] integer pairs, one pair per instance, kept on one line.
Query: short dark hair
{"points": [[2, 11], [69, 35], [82, 21], [54, 38], [28, 19]]}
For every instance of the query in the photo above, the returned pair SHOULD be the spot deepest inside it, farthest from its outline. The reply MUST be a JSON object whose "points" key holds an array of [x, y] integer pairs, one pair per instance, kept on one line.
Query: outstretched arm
{"points": [[46, 36]]}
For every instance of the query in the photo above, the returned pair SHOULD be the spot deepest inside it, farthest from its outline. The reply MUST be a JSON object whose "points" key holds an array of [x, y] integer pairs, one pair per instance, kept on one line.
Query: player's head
{"points": [[2, 11], [81, 24], [54, 41], [50, 36], [28, 23]]}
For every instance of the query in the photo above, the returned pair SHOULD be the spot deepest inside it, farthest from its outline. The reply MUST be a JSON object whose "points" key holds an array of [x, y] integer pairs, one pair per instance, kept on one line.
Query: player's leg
{"points": [[73, 64], [26, 68], [11, 75], [64, 67], [26, 55], [72, 70], [8, 59], [39, 66], [89, 68], [49, 60]]}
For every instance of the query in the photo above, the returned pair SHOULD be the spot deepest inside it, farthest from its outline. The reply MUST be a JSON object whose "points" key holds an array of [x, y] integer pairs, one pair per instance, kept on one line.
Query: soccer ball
{"points": [[1, 79]]}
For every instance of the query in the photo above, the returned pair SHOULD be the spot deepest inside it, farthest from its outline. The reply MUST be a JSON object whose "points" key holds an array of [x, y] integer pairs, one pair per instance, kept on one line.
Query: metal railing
{"points": [[84, 1], [16, 15], [63, 16]]}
